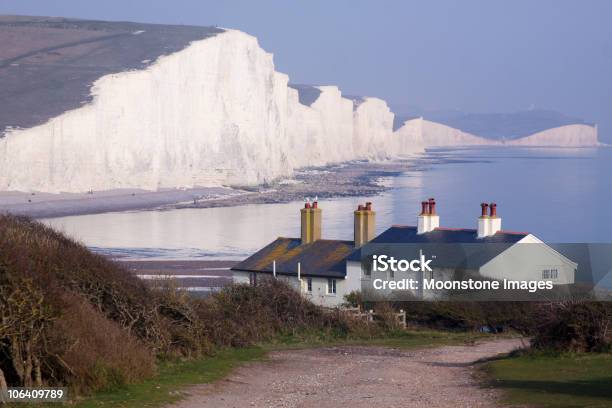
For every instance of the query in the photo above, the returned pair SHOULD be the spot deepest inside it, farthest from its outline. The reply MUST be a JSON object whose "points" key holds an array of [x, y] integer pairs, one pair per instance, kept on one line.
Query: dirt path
{"points": [[356, 377]]}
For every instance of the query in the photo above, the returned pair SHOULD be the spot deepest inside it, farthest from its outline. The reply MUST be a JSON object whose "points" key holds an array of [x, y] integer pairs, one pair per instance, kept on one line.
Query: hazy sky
{"points": [[475, 56]]}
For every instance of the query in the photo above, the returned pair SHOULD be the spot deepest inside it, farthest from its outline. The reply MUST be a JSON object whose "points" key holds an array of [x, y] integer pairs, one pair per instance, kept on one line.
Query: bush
{"points": [[241, 315], [574, 327], [517, 316]]}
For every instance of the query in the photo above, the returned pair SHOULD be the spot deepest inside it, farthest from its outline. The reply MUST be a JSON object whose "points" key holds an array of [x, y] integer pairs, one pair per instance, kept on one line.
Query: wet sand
{"points": [[348, 179], [47, 205], [193, 274]]}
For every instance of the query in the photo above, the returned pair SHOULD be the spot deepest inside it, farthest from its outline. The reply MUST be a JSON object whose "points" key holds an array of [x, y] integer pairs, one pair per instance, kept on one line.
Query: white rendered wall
{"points": [[525, 261], [319, 293]]}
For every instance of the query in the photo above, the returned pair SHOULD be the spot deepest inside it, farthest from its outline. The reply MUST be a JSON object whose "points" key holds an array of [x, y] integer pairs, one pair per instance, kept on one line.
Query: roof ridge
{"points": [[455, 229], [320, 239], [334, 240], [513, 232]]}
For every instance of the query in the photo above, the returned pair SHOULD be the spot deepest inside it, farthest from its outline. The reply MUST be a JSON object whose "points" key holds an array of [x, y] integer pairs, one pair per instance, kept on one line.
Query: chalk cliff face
{"points": [[373, 124], [214, 113], [431, 134], [570, 136]]}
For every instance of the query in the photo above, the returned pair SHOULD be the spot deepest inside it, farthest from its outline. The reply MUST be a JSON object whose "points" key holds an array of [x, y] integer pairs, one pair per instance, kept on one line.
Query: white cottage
{"points": [[326, 270]]}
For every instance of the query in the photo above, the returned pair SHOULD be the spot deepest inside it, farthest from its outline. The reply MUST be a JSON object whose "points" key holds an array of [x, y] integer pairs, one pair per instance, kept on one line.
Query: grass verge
{"points": [[562, 381], [168, 386], [399, 339]]}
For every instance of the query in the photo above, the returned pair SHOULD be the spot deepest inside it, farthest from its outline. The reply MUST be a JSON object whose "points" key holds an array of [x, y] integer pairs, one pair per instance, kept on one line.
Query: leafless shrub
{"points": [[575, 326]]}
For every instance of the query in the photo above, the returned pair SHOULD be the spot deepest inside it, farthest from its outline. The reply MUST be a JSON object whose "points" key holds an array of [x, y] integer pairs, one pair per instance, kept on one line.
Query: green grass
{"points": [[565, 381], [400, 339], [173, 378]]}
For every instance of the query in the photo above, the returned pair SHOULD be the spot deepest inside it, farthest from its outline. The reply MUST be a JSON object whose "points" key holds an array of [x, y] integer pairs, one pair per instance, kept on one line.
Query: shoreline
{"points": [[348, 179], [339, 180]]}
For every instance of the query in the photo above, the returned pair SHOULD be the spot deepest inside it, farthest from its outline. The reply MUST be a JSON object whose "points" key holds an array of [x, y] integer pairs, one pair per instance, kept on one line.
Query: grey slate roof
{"points": [[452, 248], [399, 234], [322, 258]]}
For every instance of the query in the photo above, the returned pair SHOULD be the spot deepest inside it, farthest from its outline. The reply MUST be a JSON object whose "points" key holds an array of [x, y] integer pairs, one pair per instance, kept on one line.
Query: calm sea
{"points": [[560, 195]]}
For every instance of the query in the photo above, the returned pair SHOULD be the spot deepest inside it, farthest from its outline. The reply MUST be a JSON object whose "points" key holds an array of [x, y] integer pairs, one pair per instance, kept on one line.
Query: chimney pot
{"points": [[483, 209], [315, 204], [307, 205], [424, 207], [493, 209], [432, 206], [369, 206], [360, 207]]}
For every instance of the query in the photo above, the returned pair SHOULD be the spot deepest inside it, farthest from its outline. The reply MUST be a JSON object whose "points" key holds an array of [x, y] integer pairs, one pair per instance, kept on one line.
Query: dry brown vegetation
{"points": [[574, 326], [70, 317]]}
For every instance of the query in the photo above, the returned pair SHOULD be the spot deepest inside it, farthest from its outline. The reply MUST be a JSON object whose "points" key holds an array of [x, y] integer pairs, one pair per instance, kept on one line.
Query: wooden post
{"points": [[402, 317], [274, 268]]}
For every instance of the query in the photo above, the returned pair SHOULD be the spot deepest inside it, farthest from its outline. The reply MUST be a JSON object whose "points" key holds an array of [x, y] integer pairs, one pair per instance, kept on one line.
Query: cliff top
{"points": [[48, 64]]}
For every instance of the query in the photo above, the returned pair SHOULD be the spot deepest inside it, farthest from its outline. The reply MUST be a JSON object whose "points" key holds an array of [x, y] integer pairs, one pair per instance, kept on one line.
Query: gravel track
{"points": [[356, 377]]}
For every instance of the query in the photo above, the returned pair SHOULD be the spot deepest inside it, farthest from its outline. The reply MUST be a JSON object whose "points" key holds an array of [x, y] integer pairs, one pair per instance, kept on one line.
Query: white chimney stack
{"points": [[428, 220], [488, 223], [483, 221], [494, 220]]}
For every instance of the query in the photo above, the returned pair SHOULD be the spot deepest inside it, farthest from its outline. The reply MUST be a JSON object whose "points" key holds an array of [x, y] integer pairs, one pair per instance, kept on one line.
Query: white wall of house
{"points": [[367, 282], [241, 277], [320, 293], [530, 259]]}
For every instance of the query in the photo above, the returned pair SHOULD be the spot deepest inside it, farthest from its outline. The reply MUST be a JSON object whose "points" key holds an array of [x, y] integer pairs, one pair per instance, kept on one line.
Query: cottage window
{"points": [[550, 274], [331, 286], [253, 279], [367, 268], [309, 284]]}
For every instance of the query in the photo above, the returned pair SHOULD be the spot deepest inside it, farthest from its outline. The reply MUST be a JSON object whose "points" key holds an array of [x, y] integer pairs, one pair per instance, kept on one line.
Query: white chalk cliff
{"points": [[577, 135], [215, 113], [431, 134]]}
